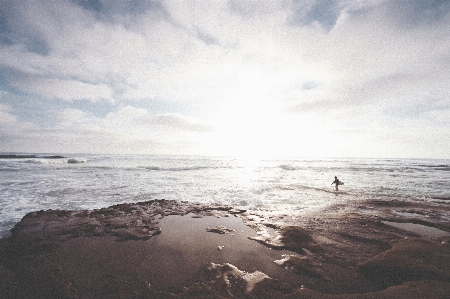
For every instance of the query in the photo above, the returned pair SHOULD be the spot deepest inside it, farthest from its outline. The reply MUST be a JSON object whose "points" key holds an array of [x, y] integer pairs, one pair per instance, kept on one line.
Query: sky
{"points": [[251, 79]]}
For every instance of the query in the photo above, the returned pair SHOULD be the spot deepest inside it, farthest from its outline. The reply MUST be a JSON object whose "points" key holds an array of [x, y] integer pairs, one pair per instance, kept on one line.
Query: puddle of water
{"points": [[184, 250]]}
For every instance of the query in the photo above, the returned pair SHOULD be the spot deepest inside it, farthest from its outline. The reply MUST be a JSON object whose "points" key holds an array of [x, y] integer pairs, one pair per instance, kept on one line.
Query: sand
{"points": [[170, 249]]}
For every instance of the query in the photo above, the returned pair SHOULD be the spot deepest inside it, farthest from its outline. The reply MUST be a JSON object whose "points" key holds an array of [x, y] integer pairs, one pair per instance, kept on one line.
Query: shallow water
{"points": [[194, 248], [62, 181]]}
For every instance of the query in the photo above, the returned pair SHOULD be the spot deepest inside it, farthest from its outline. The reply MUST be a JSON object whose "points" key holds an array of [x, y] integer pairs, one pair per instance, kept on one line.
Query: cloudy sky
{"points": [[261, 78]]}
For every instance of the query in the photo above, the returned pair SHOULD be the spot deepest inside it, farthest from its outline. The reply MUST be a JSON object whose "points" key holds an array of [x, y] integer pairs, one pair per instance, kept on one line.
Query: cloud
{"points": [[72, 117], [156, 50], [177, 121], [416, 13], [12, 130], [6, 118], [169, 72], [9, 123], [126, 130], [67, 90], [371, 60], [324, 13], [141, 118], [80, 48]]}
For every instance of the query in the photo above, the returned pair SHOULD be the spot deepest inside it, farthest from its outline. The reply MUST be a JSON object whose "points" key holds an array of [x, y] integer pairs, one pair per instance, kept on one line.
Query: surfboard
{"points": [[341, 183]]}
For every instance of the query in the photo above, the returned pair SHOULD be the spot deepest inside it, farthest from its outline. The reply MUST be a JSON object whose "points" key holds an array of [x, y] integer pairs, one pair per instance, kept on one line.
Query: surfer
{"points": [[337, 182]]}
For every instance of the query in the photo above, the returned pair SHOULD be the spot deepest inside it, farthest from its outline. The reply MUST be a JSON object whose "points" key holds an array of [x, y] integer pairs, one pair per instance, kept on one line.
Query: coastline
{"points": [[172, 249]]}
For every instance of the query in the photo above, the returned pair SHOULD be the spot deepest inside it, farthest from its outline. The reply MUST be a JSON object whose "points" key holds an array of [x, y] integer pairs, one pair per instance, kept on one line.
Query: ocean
{"points": [[30, 182]]}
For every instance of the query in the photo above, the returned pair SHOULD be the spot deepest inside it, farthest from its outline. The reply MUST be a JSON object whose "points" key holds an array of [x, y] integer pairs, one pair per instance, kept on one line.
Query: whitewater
{"points": [[31, 182]]}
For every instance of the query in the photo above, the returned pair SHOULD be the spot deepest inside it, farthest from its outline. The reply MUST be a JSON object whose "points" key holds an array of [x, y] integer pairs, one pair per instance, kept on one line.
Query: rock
{"points": [[220, 230], [409, 259]]}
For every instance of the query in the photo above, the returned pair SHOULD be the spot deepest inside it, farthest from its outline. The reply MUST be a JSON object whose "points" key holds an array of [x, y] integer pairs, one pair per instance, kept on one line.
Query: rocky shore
{"points": [[172, 249]]}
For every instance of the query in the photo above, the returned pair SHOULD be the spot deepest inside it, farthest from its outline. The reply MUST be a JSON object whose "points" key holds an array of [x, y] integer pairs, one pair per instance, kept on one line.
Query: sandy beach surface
{"points": [[172, 249]]}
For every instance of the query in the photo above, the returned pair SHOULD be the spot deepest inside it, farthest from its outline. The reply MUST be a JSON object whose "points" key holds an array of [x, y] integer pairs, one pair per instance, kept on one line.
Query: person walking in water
{"points": [[337, 182]]}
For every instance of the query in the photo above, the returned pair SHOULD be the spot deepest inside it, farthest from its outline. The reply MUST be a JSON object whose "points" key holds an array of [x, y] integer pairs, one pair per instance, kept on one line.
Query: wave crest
{"points": [[288, 167], [29, 156], [187, 168], [76, 160]]}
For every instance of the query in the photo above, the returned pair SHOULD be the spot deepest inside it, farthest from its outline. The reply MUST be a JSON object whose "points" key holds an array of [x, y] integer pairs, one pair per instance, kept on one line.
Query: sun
{"points": [[245, 116], [253, 123]]}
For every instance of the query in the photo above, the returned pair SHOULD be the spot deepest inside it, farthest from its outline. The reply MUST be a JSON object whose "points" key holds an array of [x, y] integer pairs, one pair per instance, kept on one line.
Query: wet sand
{"points": [[169, 249]]}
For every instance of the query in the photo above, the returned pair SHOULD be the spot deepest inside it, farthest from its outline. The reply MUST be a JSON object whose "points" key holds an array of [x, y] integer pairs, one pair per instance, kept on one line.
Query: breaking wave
{"points": [[188, 168], [76, 160], [29, 156], [289, 167], [41, 159]]}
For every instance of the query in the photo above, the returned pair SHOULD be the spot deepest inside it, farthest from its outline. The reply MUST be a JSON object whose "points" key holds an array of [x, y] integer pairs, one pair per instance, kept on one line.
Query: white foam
{"points": [[76, 160], [226, 270]]}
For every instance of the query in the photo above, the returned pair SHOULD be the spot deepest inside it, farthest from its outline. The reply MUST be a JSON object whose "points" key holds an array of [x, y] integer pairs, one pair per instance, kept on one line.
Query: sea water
{"points": [[30, 182]]}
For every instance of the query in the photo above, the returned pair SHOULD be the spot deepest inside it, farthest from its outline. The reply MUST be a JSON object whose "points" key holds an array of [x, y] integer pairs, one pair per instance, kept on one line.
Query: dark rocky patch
{"points": [[409, 260], [219, 230], [296, 238]]}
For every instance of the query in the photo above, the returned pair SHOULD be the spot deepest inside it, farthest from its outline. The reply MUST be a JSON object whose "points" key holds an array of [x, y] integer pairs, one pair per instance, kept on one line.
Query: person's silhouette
{"points": [[337, 182]]}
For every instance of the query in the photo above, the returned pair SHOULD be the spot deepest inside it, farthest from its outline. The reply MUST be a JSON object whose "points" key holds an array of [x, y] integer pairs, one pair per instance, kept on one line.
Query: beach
{"points": [[176, 249]]}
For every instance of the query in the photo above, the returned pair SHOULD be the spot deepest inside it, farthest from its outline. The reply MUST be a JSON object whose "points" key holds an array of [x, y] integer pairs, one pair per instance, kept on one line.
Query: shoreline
{"points": [[171, 249]]}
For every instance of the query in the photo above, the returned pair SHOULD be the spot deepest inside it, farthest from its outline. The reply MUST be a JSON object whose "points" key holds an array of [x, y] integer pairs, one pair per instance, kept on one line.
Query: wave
{"points": [[56, 161], [42, 159], [76, 160], [440, 197], [357, 168], [29, 156], [434, 165], [442, 167], [289, 167], [188, 168], [150, 167]]}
